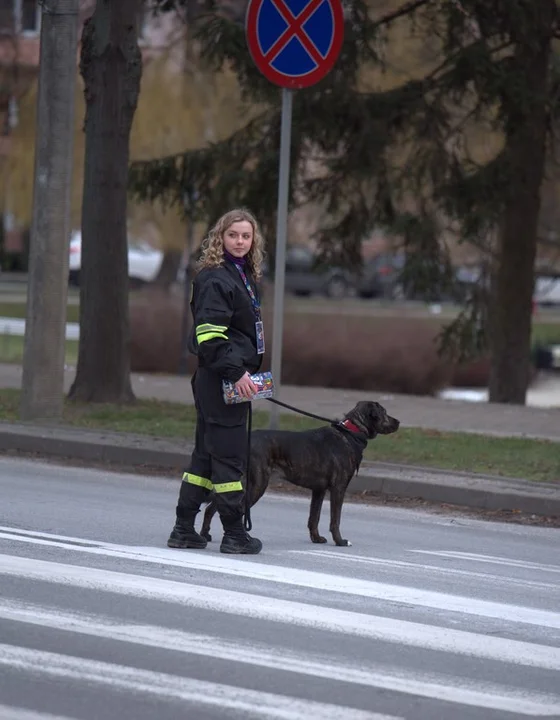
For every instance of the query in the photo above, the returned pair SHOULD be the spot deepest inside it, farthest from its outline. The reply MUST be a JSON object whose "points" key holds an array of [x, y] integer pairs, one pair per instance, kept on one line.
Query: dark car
{"points": [[385, 276], [380, 277], [307, 275]]}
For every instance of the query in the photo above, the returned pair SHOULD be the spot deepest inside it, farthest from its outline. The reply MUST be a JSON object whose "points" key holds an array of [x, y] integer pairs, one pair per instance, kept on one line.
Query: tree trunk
{"points": [[526, 139], [111, 66], [167, 273], [43, 360]]}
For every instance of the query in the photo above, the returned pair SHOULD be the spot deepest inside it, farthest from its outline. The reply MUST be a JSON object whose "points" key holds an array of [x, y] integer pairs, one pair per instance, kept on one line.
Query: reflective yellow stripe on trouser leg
{"points": [[228, 487], [197, 480]]}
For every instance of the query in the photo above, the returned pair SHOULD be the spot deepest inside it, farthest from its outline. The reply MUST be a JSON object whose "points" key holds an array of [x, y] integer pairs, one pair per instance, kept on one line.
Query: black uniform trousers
{"points": [[219, 458]]}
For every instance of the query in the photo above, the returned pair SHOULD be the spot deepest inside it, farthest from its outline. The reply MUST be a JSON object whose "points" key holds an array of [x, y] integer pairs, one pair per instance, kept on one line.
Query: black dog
{"points": [[320, 460]]}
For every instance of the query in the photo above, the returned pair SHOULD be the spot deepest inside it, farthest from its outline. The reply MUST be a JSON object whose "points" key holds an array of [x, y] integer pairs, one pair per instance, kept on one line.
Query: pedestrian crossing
{"points": [[218, 695], [165, 630]]}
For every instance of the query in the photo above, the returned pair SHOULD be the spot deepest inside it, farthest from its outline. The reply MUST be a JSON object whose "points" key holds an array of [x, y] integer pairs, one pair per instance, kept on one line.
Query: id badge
{"points": [[259, 331]]}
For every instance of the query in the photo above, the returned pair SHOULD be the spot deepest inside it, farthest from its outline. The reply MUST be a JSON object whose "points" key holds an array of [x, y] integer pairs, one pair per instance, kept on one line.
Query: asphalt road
{"points": [[424, 617]]}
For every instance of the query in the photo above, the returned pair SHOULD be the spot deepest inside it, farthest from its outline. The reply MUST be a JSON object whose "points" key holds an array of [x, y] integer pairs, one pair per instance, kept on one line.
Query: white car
{"points": [[547, 290], [143, 261]]}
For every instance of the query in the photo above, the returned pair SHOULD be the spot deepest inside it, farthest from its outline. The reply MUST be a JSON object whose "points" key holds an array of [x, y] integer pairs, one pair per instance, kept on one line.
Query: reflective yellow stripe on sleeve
{"points": [[210, 336], [228, 487], [197, 480], [206, 327], [207, 331]]}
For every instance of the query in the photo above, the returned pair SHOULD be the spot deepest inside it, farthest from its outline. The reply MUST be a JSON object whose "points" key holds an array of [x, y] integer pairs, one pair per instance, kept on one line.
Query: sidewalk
{"points": [[477, 491], [411, 410]]}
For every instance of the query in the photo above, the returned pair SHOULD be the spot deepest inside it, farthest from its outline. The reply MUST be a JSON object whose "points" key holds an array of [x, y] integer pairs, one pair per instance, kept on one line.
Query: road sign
{"points": [[295, 43]]}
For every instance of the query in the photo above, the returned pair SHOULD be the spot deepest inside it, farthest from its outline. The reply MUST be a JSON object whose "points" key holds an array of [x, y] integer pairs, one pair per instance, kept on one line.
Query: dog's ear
{"points": [[367, 416], [377, 418], [359, 415], [381, 421], [377, 412], [370, 417]]}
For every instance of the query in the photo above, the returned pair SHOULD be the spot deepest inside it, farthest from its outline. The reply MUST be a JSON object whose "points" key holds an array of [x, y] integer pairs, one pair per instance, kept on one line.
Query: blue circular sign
{"points": [[295, 43]]}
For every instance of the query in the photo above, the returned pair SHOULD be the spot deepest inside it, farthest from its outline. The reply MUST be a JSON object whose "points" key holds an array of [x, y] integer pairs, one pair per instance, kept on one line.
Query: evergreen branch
{"points": [[407, 9], [437, 75], [238, 136]]}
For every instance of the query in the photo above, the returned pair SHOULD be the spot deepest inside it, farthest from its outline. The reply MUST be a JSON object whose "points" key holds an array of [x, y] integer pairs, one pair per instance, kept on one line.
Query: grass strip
{"points": [[11, 349], [536, 460]]}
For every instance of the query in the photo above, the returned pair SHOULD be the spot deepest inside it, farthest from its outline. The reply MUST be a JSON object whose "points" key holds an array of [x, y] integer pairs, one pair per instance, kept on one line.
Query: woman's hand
{"points": [[246, 386]]}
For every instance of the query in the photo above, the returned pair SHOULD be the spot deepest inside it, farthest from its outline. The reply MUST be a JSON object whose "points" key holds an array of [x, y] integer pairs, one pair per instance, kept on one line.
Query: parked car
{"points": [[380, 277], [143, 261], [306, 275], [383, 276], [547, 289]]}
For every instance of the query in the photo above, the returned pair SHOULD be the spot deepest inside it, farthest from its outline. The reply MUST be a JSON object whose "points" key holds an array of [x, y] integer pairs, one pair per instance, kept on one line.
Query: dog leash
{"points": [[247, 522], [301, 412]]}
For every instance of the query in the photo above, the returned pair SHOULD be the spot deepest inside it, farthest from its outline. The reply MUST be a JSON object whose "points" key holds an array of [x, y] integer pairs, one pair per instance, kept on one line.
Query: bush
{"points": [[363, 353], [155, 332], [473, 374], [383, 354]]}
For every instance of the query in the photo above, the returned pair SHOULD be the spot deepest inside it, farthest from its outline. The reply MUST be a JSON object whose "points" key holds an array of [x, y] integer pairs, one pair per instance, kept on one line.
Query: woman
{"points": [[227, 337]]}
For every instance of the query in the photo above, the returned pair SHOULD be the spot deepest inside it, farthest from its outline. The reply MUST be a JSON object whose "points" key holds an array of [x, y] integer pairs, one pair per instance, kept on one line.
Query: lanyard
{"points": [[254, 300]]}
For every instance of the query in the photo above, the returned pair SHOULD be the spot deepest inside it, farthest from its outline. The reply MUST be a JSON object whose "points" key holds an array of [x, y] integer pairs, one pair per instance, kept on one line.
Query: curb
{"points": [[135, 451], [484, 492]]}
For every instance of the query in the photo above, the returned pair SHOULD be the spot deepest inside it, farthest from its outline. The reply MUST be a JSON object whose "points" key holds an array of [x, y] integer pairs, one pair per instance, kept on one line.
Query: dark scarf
{"points": [[240, 262]]}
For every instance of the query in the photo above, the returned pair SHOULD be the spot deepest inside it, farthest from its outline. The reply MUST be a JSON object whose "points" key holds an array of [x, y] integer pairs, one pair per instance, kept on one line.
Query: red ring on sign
{"points": [[294, 82]]}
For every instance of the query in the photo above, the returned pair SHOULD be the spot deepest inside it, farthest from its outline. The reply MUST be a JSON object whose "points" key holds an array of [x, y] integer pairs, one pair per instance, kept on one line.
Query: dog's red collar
{"points": [[349, 425]]}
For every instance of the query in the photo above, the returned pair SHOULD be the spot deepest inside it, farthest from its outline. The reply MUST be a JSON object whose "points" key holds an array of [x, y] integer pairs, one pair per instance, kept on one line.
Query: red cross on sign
{"points": [[295, 43]]}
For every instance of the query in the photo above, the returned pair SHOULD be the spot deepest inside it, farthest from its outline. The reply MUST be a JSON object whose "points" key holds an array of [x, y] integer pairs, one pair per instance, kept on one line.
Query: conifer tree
{"points": [[400, 155]]}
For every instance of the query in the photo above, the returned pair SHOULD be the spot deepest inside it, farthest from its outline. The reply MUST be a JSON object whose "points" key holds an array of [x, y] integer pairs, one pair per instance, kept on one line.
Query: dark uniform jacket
{"points": [[223, 334]]}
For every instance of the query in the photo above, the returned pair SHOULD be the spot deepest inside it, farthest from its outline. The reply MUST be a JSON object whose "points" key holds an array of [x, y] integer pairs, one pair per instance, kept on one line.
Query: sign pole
{"points": [[281, 238], [294, 45]]}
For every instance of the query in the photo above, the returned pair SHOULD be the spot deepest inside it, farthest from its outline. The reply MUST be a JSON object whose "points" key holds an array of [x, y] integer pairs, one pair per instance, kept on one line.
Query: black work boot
{"points": [[184, 536], [237, 541]]}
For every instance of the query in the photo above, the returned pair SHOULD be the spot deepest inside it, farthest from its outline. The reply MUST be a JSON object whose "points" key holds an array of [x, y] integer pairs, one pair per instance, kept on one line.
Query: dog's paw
{"points": [[319, 539], [206, 536], [344, 543]]}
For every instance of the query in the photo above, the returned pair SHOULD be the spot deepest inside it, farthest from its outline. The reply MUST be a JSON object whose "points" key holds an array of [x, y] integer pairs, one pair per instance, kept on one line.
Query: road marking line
{"points": [[17, 713], [493, 559], [269, 609], [433, 686], [418, 566], [253, 703], [301, 578]]}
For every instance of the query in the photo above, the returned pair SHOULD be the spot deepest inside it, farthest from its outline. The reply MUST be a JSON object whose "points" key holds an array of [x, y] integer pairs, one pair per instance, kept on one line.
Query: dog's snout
{"points": [[392, 424]]}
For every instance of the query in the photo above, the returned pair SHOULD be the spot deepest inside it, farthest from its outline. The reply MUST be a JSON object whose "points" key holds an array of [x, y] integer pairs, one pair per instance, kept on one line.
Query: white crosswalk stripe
{"points": [[232, 700], [17, 713], [305, 615], [253, 704], [301, 578], [449, 571], [424, 685]]}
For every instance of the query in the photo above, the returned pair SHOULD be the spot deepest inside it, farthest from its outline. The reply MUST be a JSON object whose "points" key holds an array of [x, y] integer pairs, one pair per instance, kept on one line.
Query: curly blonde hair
{"points": [[212, 249]]}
